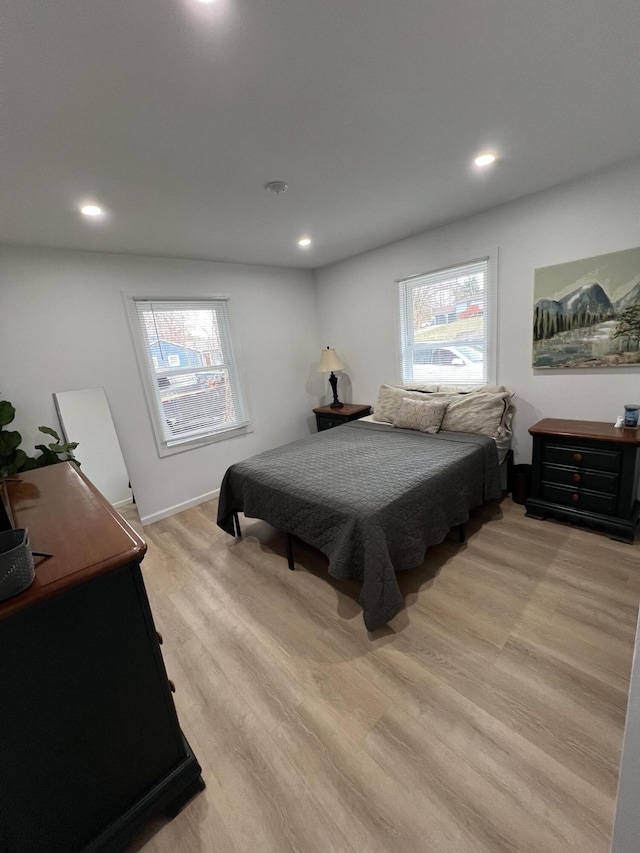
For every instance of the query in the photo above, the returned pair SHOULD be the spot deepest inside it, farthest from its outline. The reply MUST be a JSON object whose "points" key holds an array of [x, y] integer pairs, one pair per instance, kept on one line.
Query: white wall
{"points": [[357, 298], [63, 327]]}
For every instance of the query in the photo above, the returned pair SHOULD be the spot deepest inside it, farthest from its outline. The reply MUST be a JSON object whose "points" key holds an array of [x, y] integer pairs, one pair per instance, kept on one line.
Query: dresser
{"points": [[327, 417], [586, 472], [90, 742]]}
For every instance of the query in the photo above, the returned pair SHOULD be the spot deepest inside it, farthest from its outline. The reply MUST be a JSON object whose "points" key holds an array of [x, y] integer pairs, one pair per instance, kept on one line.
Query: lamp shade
{"points": [[329, 361]]}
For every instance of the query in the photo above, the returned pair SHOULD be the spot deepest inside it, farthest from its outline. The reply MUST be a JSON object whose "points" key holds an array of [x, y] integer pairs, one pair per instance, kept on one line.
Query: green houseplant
{"points": [[13, 459]]}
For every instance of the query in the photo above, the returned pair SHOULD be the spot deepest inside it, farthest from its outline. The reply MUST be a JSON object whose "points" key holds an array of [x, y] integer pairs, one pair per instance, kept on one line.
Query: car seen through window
{"points": [[453, 361]]}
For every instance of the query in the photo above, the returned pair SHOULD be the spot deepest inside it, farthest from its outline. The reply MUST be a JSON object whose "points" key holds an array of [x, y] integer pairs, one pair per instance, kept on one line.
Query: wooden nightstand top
{"points": [[596, 430], [345, 410]]}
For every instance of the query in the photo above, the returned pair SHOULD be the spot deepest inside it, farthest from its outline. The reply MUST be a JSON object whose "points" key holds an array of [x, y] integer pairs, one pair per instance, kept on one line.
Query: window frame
{"points": [[148, 375], [404, 323]]}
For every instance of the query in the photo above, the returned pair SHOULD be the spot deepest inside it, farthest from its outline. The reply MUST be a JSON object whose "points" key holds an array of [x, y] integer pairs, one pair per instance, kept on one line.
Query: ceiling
{"points": [[173, 114]]}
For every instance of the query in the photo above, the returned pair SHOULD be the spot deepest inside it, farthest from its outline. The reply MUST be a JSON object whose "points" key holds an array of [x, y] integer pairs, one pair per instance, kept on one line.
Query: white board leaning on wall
{"points": [[85, 417]]}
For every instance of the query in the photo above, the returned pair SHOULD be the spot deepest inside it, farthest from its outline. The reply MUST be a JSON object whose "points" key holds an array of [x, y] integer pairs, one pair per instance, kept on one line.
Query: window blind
{"points": [[444, 325], [190, 367]]}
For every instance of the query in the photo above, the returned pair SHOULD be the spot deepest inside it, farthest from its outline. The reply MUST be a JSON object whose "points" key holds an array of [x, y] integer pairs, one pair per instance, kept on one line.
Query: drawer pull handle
{"points": [[575, 498], [576, 478], [172, 686], [577, 457], [159, 636]]}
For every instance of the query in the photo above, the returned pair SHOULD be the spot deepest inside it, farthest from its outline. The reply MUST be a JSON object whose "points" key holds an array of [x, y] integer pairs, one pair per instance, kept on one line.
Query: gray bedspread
{"points": [[371, 497]]}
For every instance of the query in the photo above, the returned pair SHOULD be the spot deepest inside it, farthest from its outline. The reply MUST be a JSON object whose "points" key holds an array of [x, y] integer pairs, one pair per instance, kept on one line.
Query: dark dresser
{"points": [[89, 738], [586, 472]]}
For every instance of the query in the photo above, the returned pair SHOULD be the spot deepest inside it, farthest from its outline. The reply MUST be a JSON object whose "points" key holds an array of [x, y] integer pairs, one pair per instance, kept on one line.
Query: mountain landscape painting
{"points": [[587, 313]]}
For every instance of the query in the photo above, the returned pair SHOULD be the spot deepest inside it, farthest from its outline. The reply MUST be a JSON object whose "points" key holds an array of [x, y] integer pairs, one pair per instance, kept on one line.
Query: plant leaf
{"points": [[7, 412], [19, 457], [48, 457], [9, 441], [49, 431], [29, 464]]}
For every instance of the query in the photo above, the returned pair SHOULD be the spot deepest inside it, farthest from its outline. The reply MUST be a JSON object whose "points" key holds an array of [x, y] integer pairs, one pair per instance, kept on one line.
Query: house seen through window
{"points": [[446, 325], [191, 377]]}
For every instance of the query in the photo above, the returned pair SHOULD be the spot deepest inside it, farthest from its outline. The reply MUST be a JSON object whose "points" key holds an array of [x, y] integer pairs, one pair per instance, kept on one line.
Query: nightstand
{"points": [[326, 417], [586, 472]]}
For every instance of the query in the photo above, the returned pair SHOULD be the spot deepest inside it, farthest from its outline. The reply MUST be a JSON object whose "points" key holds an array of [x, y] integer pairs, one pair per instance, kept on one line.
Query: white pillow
{"points": [[485, 409], [478, 412], [458, 389], [389, 399], [420, 386], [422, 415]]}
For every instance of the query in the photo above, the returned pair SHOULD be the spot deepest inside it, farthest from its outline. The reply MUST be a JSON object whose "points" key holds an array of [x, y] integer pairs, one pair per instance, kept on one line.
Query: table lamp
{"points": [[329, 362]]}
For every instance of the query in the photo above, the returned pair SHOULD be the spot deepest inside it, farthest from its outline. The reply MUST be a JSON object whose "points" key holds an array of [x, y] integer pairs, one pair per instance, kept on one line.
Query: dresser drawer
{"points": [[582, 457], [324, 422], [597, 481], [584, 500]]}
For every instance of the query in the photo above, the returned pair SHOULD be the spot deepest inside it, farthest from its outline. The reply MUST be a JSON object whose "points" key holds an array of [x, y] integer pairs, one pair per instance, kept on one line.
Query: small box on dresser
{"points": [[586, 472]]}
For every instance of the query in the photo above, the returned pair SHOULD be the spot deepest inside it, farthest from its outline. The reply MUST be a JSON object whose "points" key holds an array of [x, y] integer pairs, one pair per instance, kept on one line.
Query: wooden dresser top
{"points": [[66, 516], [596, 430], [346, 409]]}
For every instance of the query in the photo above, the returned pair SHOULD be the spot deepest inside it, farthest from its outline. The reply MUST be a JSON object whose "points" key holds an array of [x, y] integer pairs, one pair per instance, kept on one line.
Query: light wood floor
{"points": [[488, 716]]}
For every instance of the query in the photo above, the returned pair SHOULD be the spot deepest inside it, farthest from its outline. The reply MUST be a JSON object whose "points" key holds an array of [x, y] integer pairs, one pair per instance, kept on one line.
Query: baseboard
{"points": [[172, 510], [125, 502]]}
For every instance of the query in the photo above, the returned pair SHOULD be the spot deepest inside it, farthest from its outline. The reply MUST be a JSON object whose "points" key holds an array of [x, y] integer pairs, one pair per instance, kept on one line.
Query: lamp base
{"points": [[333, 381]]}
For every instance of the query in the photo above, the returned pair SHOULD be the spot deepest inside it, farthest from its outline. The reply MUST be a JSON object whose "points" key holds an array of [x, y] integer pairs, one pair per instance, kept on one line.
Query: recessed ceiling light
{"points": [[207, 1], [485, 159], [304, 242], [276, 187], [90, 210]]}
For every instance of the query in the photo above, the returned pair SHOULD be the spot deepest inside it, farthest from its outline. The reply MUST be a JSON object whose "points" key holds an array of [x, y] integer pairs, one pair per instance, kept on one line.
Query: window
{"points": [[189, 369], [447, 325]]}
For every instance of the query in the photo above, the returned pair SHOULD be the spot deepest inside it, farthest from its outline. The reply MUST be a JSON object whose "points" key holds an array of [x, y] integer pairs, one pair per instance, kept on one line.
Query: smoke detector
{"points": [[276, 187]]}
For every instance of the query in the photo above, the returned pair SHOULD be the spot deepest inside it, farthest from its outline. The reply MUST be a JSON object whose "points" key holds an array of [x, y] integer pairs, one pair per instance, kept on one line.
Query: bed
{"points": [[373, 495]]}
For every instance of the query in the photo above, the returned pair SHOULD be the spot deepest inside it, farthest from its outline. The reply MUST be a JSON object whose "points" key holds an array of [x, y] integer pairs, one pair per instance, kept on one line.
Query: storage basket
{"points": [[16, 562], [521, 483]]}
